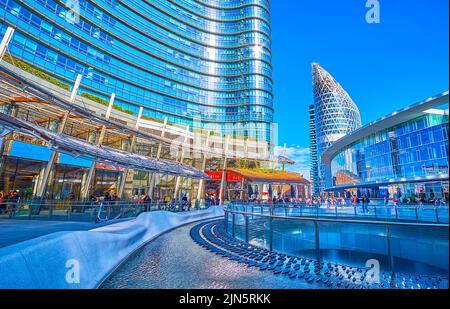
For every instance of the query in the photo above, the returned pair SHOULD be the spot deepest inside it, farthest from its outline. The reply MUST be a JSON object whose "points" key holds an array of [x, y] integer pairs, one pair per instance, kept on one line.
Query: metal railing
{"points": [[396, 213], [88, 211], [263, 226]]}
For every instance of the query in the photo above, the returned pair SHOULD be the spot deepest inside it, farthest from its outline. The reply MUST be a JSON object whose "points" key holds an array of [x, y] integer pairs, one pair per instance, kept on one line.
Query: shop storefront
{"points": [[244, 184]]}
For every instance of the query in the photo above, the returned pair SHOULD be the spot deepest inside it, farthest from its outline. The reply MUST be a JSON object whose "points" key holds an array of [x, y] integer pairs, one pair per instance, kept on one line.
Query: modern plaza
{"points": [[135, 134]]}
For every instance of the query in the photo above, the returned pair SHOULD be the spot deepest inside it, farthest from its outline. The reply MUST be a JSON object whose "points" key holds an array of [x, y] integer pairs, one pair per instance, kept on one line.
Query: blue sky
{"points": [[383, 67]]}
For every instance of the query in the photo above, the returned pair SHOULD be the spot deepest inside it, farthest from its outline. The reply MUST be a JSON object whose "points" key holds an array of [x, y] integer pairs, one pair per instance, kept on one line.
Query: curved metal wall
{"points": [[201, 63]]}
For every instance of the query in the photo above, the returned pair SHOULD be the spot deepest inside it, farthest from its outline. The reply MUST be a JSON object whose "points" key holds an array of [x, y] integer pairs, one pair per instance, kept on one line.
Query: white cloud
{"points": [[300, 155]]}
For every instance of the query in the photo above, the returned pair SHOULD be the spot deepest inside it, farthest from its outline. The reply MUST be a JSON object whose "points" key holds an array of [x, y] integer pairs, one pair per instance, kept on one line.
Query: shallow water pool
{"points": [[175, 261]]}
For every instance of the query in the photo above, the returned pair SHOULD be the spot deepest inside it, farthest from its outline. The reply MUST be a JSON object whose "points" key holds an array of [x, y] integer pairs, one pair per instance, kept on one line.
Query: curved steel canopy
{"points": [[108, 155], [39, 92]]}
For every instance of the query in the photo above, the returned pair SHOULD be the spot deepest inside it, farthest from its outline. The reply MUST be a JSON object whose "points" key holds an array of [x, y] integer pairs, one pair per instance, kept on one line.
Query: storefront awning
{"points": [[270, 176], [107, 155]]}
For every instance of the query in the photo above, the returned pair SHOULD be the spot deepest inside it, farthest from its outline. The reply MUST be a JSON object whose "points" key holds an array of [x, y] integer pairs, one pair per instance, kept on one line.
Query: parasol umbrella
{"points": [[270, 191]]}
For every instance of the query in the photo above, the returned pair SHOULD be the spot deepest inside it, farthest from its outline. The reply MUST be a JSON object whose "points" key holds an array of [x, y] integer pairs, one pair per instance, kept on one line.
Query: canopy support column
{"points": [[5, 41], [126, 172], [224, 173], [151, 176], [241, 196], [61, 127], [177, 184], [87, 185], [202, 181]]}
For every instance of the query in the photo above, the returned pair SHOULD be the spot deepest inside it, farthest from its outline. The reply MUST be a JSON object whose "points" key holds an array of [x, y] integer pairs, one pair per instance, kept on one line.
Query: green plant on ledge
{"points": [[30, 69], [105, 103], [152, 119], [94, 98], [126, 111]]}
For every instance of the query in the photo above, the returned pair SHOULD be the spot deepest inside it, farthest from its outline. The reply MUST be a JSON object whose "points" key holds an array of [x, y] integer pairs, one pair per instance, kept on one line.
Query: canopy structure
{"points": [[107, 155], [36, 99], [269, 176]]}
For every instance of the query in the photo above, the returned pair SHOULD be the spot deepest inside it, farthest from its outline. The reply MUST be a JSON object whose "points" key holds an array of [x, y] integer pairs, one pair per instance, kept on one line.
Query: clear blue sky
{"points": [[383, 67]]}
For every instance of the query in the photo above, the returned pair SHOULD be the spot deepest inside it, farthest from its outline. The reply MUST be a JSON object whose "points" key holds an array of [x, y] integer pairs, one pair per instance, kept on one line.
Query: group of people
{"points": [[145, 200], [8, 201], [107, 196], [421, 201], [212, 200]]}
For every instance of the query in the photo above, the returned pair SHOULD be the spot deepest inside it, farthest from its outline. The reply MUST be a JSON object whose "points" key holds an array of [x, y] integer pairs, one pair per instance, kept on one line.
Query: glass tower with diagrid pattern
{"points": [[336, 115], [314, 174]]}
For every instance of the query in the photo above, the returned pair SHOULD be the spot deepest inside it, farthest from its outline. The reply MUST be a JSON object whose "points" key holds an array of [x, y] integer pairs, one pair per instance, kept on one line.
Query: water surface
{"points": [[175, 261]]}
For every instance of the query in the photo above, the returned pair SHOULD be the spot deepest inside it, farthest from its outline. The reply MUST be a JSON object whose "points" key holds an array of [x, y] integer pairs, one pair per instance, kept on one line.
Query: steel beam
{"points": [[123, 180], [202, 182], [177, 184], [224, 173], [151, 176], [90, 176], [54, 155], [5, 41]]}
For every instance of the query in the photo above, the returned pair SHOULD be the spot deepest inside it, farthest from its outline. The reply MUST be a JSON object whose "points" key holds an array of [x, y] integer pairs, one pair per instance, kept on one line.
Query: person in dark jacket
{"points": [[365, 203]]}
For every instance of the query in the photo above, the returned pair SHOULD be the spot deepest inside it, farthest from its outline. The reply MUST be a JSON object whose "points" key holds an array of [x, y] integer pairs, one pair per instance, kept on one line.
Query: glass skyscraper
{"points": [[314, 173], [206, 64], [402, 155], [336, 115]]}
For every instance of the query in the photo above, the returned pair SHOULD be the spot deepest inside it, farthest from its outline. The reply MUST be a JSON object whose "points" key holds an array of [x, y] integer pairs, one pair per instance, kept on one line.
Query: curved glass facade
{"points": [[206, 64], [336, 115], [410, 157]]}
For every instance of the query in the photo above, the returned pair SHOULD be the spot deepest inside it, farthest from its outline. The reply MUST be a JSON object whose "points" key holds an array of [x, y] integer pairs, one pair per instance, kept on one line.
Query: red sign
{"points": [[103, 166], [231, 177], [217, 176]]}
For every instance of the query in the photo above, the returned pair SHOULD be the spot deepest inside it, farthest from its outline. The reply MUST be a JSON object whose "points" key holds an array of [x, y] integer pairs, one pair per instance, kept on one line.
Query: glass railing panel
{"points": [[259, 232], [239, 226], [294, 237]]}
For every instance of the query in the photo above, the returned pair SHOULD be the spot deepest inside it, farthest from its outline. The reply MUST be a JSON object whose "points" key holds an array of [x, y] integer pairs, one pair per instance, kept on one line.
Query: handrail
{"points": [[89, 211], [339, 220], [259, 226], [305, 204], [320, 214]]}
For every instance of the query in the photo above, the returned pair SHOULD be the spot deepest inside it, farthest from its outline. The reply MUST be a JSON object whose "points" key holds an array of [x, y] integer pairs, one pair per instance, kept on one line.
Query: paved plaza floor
{"points": [[15, 231]]}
